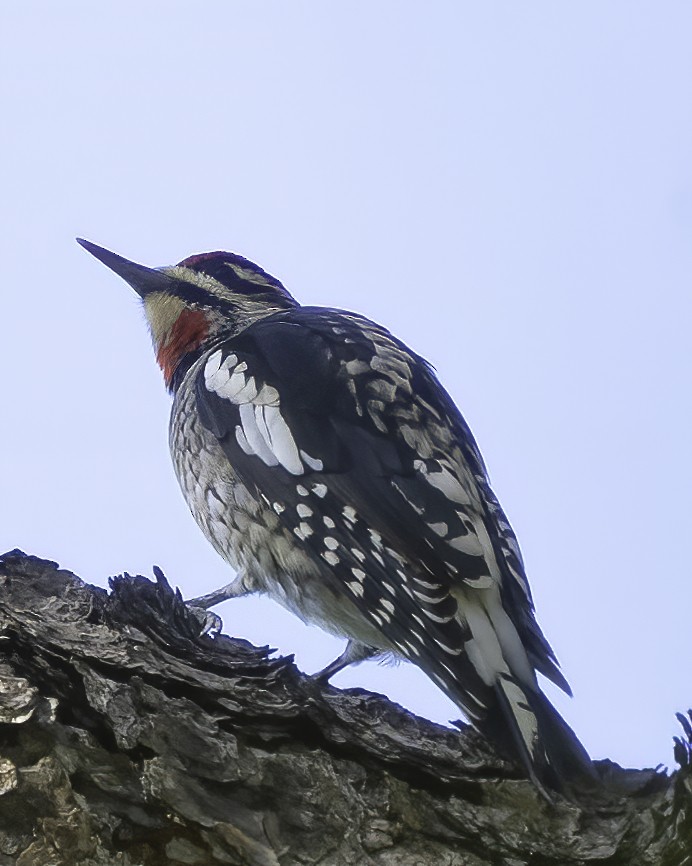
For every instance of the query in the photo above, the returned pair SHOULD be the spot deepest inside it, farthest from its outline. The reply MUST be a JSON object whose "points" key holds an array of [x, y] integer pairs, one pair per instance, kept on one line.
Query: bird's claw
{"points": [[210, 622]]}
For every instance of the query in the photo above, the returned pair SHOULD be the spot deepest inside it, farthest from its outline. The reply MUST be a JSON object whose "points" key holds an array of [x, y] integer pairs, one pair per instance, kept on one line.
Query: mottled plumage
{"points": [[325, 462]]}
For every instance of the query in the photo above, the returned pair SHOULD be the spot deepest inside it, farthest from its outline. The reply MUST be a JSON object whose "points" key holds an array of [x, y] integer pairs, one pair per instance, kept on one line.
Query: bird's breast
{"points": [[249, 535]]}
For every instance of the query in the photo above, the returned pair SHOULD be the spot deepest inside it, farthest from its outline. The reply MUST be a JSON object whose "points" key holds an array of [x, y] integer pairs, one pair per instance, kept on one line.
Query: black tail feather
{"points": [[566, 760], [554, 758]]}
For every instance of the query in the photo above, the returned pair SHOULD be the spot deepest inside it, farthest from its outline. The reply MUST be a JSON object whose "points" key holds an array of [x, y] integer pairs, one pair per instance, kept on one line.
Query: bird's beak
{"points": [[143, 280]]}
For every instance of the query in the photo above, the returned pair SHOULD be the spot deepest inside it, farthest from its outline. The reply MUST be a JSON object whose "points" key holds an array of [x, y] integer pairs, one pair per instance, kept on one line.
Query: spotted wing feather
{"points": [[368, 463]]}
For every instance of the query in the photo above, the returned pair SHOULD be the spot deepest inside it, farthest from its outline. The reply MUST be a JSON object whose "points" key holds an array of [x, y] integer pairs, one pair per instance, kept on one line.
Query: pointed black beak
{"points": [[143, 280]]}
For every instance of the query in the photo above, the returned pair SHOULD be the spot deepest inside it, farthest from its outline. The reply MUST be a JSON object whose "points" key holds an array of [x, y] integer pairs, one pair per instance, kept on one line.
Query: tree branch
{"points": [[126, 738]]}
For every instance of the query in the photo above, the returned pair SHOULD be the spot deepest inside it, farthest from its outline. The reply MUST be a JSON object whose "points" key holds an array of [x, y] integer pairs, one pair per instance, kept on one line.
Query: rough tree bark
{"points": [[126, 738]]}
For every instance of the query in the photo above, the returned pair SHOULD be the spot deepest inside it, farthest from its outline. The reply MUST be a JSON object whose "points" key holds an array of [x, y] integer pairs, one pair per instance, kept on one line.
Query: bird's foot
{"points": [[235, 589], [355, 652], [211, 623]]}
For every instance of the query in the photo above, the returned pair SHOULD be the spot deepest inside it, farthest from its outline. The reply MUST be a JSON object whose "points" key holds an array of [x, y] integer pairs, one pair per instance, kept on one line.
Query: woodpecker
{"points": [[327, 465]]}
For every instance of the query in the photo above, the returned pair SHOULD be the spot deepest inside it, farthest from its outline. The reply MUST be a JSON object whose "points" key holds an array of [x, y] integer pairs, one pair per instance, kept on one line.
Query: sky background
{"points": [[506, 186]]}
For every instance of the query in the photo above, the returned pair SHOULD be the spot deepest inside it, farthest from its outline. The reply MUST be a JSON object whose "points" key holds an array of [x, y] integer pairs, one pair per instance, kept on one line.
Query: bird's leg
{"points": [[235, 589], [212, 622], [355, 652]]}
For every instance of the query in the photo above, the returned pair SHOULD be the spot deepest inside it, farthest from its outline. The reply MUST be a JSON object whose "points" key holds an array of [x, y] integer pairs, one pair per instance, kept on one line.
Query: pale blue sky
{"points": [[506, 185]]}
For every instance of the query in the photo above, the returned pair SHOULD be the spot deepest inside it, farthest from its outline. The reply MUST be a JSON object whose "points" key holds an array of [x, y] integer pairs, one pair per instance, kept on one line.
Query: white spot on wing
{"points": [[427, 598], [247, 393], [330, 542], [435, 618], [313, 462], [232, 386], [449, 485], [375, 537], [448, 649], [213, 364], [350, 514], [467, 544], [320, 490], [330, 557], [282, 442], [262, 426], [267, 396], [303, 531], [424, 583], [242, 441], [253, 435], [357, 366], [215, 378], [483, 581]]}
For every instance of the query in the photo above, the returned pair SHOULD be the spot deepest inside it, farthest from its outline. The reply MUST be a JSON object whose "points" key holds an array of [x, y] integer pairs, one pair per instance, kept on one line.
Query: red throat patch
{"points": [[185, 336]]}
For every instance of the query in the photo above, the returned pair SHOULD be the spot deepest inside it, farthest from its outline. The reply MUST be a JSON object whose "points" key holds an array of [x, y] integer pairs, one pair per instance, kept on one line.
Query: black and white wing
{"points": [[351, 439]]}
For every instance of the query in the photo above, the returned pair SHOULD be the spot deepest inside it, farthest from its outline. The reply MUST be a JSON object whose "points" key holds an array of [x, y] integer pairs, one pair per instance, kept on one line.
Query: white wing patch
{"points": [[445, 481], [263, 431]]}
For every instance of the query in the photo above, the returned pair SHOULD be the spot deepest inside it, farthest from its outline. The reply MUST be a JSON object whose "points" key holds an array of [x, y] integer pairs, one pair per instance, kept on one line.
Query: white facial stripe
{"points": [[249, 275]]}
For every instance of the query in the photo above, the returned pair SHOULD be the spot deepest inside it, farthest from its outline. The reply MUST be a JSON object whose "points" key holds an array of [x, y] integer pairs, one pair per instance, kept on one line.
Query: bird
{"points": [[326, 463]]}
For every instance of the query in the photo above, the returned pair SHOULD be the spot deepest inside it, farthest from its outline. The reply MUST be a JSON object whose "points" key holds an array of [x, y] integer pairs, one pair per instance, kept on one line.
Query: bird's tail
{"points": [[515, 713], [539, 737]]}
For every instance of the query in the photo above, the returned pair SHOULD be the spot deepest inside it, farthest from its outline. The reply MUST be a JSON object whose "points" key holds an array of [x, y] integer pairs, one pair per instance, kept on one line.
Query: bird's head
{"points": [[191, 305]]}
